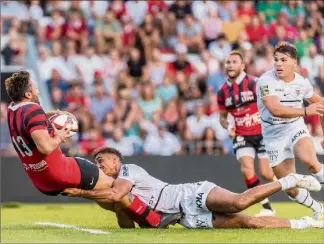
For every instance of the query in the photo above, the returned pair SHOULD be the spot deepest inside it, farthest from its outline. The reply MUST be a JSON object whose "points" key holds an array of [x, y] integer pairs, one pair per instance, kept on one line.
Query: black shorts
{"points": [[249, 141], [89, 176]]}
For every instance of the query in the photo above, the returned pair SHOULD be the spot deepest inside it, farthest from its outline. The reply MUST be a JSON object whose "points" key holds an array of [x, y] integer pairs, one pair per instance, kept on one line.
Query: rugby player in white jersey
{"points": [[280, 95], [203, 204]]}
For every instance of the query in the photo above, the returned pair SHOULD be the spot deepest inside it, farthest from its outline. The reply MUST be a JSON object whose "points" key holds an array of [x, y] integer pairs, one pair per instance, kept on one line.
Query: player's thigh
{"points": [[247, 166], [304, 149], [229, 221], [104, 181], [221, 200], [285, 168]]}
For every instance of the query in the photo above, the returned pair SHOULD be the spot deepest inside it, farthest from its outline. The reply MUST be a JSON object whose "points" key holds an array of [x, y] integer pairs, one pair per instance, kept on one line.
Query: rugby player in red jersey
{"points": [[238, 97], [37, 143]]}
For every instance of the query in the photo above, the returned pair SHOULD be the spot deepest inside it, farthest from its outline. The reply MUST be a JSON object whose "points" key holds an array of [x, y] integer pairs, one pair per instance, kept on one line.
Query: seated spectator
{"points": [[100, 103], [302, 43], [137, 10], [108, 33], [181, 63], [290, 32], [150, 126], [269, 9], [225, 9], [156, 6], [171, 116], [220, 48], [149, 102], [208, 65], [212, 26], [293, 9], [56, 29], [113, 66], [56, 81], [216, 80], [94, 141], [233, 28], [167, 90], [279, 36], [200, 9], [246, 11], [179, 9], [76, 97], [190, 33], [256, 31], [264, 61], [135, 64], [209, 145], [118, 8], [162, 143], [155, 69], [314, 64], [108, 124], [120, 142], [58, 99]]}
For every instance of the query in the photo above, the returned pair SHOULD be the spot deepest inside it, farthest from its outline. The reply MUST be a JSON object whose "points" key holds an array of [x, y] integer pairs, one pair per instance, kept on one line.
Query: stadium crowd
{"points": [[142, 76]]}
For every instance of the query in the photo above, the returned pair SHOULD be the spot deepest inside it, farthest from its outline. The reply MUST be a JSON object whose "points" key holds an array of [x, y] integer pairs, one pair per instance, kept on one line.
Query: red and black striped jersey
{"points": [[240, 99]]}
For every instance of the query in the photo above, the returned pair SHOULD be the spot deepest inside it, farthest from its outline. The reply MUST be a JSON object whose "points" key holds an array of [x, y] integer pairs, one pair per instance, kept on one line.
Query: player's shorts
{"points": [[193, 205], [89, 175], [281, 148], [249, 146]]}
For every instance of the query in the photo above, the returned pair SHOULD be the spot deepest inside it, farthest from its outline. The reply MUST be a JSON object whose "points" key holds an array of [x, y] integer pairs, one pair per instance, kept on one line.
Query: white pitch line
{"points": [[64, 226]]}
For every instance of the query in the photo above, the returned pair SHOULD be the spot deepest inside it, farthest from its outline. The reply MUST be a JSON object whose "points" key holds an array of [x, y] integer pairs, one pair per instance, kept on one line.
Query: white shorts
{"points": [[250, 152], [193, 203], [281, 148]]}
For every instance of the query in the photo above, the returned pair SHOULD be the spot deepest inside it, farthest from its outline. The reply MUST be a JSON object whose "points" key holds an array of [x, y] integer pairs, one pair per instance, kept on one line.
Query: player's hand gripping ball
{"points": [[60, 120]]}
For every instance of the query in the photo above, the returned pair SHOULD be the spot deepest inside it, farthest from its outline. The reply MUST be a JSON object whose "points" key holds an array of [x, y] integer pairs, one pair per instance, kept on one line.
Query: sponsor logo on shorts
{"points": [[201, 223], [297, 135], [36, 167], [239, 142], [199, 200], [273, 155]]}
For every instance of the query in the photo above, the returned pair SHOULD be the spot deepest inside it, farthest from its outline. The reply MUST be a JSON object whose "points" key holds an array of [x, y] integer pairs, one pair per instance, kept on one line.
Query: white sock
{"points": [[320, 175], [264, 201], [298, 224], [306, 199], [287, 182]]}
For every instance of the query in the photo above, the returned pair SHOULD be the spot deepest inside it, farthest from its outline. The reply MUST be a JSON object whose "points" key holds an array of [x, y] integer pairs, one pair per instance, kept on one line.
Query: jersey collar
{"points": [[14, 107], [238, 80]]}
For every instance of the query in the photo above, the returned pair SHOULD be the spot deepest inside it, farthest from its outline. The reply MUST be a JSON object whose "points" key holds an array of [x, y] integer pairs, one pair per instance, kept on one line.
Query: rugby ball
{"points": [[60, 120]]}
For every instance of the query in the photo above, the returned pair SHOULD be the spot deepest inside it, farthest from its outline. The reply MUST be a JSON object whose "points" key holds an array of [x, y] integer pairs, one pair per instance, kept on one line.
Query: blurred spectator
{"points": [[137, 10], [181, 63], [264, 61], [148, 101], [290, 32], [246, 11], [293, 9], [113, 66], [76, 97], [56, 81], [180, 8], [201, 9], [108, 124], [209, 145], [156, 6], [58, 99], [216, 80], [212, 26], [5, 142], [190, 33], [171, 116], [256, 31], [118, 8], [120, 142], [55, 30], [269, 9], [302, 43], [108, 33], [208, 65], [225, 9], [135, 63], [232, 28], [155, 70], [167, 90], [279, 36], [162, 143], [100, 103], [94, 141], [220, 48], [314, 64]]}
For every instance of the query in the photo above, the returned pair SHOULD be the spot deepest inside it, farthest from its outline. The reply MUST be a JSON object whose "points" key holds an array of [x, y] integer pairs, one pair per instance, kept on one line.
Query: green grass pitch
{"points": [[17, 225]]}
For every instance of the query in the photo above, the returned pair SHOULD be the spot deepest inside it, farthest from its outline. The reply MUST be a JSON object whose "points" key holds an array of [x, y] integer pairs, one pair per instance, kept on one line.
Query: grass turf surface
{"points": [[17, 225]]}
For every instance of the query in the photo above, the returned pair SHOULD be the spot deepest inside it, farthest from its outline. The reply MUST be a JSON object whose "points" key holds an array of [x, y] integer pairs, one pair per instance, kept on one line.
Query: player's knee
{"points": [[241, 203]]}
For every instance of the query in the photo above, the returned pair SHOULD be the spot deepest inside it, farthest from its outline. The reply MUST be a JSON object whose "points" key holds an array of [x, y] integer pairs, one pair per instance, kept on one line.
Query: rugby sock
{"points": [[298, 224], [142, 210], [253, 182], [320, 175], [306, 199]]}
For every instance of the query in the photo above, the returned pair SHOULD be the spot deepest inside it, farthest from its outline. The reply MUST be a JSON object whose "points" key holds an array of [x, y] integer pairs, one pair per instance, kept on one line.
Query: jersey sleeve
{"points": [[35, 119], [131, 172], [308, 89], [266, 87]]}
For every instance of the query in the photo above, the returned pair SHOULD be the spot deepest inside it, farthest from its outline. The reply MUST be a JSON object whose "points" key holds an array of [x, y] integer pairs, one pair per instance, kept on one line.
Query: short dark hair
{"points": [[17, 85], [286, 48], [237, 53], [108, 150]]}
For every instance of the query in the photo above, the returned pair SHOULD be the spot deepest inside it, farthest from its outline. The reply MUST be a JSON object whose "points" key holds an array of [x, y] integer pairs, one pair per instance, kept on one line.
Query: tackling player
{"points": [[37, 143], [203, 204], [238, 97], [281, 92]]}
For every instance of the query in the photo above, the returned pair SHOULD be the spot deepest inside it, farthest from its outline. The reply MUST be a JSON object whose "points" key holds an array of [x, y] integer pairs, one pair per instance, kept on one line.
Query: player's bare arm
{"points": [[47, 144], [272, 103], [223, 119]]}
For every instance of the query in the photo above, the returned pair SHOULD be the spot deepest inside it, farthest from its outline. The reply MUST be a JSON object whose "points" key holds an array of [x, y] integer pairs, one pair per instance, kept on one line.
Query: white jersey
{"points": [[148, 189], [290, 94]]}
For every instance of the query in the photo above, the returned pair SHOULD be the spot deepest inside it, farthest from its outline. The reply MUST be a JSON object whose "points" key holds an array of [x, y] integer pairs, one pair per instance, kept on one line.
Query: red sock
{"points": [[253, 182], [142, 210]]}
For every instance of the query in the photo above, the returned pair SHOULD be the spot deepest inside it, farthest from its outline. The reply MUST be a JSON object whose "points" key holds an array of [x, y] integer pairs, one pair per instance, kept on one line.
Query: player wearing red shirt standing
{"points": [[238, 97], [37, 143]]}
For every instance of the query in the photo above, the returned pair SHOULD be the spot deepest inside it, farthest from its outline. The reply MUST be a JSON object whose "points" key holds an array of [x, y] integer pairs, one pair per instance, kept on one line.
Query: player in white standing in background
{"points": [[280, 95], [203, 204]]}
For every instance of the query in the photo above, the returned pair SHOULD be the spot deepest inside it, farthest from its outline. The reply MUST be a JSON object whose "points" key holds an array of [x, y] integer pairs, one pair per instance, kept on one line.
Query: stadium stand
{"points": [[145, 81]]}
